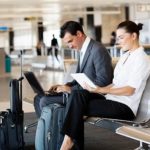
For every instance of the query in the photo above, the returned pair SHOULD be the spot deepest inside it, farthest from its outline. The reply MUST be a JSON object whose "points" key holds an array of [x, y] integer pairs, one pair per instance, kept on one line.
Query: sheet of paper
{"points": [[81, 78]]}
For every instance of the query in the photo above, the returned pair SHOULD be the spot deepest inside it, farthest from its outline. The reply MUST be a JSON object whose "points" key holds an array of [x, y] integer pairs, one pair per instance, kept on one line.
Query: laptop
{"points": [[35, 85]]}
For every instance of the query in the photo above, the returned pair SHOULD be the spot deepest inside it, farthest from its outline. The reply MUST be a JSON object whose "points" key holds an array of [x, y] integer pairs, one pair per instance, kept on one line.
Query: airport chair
{"points": [[31, 125], [141, 120]]}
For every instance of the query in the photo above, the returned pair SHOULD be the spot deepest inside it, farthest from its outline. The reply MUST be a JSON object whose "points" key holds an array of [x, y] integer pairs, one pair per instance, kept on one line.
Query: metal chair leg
{"points": [[26, 127], [140, 147], [148, 147]]}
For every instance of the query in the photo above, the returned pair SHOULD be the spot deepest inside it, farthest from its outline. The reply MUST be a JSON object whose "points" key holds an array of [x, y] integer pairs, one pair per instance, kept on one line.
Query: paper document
{"points": [[81, 78]]}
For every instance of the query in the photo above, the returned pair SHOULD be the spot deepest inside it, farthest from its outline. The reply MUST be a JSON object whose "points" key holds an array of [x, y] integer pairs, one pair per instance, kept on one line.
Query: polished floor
{"points": [[95, 138]]}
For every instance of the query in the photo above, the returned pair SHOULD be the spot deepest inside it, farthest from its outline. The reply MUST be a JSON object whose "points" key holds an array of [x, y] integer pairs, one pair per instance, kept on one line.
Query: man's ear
{"points": [[79, 33]]}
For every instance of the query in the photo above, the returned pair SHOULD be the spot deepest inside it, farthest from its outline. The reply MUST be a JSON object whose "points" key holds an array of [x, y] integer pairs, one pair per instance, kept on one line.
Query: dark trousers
{"points": [[55, 51], [82, 103]]}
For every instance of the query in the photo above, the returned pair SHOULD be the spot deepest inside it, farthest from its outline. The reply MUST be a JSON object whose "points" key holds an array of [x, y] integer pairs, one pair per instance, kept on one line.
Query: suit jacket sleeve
{"points": [[103, 66], [96, 65]]}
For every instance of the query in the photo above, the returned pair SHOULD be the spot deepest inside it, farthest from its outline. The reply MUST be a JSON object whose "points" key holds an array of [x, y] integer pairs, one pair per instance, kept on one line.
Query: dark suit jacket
{"points": [[96, 65]]}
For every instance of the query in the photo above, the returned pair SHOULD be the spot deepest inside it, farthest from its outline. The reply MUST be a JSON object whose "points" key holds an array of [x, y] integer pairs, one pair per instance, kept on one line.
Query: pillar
{"points": [[40, 31], [98, 26], [127, 13], [90, 22], [11, 40]]}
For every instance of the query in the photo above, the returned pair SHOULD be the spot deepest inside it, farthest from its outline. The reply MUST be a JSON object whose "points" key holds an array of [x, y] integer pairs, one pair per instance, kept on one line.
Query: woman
{"points": [[121, 98]]}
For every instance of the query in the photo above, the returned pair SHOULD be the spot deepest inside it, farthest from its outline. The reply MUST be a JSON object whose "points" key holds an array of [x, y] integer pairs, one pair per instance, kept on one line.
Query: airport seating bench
{"points": [[137, 129]]}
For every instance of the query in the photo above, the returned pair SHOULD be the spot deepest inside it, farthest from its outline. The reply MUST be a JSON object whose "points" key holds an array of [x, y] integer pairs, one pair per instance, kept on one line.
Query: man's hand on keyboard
{"points": [[60, 88], [63, 88]]}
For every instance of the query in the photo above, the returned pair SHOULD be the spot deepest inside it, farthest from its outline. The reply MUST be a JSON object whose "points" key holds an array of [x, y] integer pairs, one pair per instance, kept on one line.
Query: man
{"points": [[54, 46], [95, 62]]}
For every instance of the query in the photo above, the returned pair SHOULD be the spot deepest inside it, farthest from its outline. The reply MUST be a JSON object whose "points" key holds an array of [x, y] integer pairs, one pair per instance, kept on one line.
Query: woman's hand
{"points": [[98, 89], [122, 91], [90, 89]]}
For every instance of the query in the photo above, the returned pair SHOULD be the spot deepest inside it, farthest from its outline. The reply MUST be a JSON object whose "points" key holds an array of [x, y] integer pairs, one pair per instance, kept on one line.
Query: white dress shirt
{"points": [[83, 49]]}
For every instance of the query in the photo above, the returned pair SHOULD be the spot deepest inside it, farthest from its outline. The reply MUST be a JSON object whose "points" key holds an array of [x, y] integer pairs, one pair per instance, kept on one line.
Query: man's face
{"points": [[73, 41]]}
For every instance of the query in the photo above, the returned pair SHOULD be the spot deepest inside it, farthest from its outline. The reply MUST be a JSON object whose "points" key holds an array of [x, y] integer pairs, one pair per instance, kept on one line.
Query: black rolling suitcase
{"points": [[11, 120]]}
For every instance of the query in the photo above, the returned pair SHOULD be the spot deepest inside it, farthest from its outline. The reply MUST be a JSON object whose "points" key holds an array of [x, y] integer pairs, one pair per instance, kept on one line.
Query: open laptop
{"points": [[35, 85]]}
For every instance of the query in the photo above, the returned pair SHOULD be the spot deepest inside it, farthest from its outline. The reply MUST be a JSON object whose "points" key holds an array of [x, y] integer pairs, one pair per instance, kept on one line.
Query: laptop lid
{"points": [[34, 83]]}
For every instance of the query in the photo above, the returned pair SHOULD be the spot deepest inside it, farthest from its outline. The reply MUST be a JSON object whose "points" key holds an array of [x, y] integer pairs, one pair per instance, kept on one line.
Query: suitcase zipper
{"points": [[49, 134]]}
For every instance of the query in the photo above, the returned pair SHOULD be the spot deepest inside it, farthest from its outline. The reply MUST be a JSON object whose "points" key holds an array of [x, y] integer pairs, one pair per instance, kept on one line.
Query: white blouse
{"points": [[132, 69]]}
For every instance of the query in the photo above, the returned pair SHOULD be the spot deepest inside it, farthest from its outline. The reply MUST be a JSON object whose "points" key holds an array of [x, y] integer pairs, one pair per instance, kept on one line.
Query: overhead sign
{"points": [[3, 28]]}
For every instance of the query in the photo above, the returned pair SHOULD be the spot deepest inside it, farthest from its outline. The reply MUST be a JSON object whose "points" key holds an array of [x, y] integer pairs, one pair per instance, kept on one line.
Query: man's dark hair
{"points": [[71, 27]]}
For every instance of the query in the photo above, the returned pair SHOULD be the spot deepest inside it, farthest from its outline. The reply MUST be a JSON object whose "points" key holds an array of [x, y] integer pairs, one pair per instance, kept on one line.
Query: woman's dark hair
{"points": [[131, 27], [72, 27]]}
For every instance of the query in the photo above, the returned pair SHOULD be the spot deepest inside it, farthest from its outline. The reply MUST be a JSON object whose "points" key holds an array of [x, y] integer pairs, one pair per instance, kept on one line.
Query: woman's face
{"points": [[125, 39]]}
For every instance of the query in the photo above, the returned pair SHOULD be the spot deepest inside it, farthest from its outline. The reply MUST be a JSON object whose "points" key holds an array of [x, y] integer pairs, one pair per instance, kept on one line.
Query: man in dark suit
{"points": [[95, 62], [54, 46]]}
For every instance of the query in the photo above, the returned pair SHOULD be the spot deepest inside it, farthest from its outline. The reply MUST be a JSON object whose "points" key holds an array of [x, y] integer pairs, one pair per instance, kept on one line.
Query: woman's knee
{"points": [[79, 92]]}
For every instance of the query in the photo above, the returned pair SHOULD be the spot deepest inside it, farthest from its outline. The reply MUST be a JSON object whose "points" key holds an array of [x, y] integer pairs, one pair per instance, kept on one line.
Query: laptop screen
{"points": [[36, 86]]}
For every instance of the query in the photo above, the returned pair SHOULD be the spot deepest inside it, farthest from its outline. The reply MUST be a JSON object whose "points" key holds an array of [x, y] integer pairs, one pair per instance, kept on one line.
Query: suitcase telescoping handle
{"points": [[21, 77], [20, 81], [15, 99], [16, 91]]}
